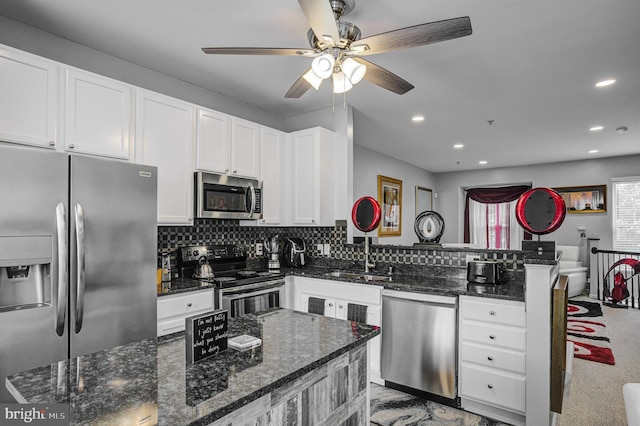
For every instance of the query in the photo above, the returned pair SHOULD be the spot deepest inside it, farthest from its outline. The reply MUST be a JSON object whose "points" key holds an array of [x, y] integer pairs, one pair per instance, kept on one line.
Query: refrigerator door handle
{"points": [[61, 302], [79, 216]]}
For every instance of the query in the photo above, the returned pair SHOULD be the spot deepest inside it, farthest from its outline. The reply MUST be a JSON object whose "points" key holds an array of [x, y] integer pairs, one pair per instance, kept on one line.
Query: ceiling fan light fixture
{"points": [[322, 66], [353, 70], [340, 83], [312, 79]]}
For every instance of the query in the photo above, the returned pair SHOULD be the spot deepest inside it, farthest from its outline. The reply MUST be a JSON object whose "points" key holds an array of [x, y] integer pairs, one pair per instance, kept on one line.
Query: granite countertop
{"points": [[440, 284], [150, 379]]}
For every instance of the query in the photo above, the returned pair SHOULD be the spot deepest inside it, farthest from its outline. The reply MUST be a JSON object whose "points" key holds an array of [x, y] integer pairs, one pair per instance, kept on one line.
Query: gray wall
{"points": [[367, 165], [32, 40], [450, 202]]}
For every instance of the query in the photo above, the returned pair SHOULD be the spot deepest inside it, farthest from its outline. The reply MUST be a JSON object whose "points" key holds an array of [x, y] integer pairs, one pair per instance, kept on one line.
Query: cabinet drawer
{"points": [[169, 306], [493, 335], [493, 357], [496, 311], [493, 387]]}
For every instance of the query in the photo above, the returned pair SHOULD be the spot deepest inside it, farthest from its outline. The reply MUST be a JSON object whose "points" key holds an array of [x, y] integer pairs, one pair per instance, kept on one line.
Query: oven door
{"points": [[251, 298]]}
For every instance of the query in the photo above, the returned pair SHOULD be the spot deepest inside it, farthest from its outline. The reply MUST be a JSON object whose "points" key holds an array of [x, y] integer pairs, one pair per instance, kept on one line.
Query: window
{"points": [[490, 220], [626, 214]]}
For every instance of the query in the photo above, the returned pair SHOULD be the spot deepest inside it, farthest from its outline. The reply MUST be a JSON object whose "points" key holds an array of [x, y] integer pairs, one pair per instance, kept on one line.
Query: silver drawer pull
{"points": [[492, 336], [330, 304], [490, 358], [490, 386], [340, 306], [492, 312], [189, 304]]}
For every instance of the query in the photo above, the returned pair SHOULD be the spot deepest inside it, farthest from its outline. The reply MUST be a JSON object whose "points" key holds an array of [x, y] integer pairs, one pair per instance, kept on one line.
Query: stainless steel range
{"points": [[238, 289]]}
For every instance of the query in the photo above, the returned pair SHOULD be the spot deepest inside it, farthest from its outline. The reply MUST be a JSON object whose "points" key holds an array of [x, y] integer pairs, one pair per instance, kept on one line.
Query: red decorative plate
{"points": [[540, 210], [366, 214]]}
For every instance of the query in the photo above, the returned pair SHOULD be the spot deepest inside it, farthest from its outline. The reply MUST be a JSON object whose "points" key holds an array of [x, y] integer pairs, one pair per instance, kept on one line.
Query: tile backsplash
{"points": [[215, 231]]}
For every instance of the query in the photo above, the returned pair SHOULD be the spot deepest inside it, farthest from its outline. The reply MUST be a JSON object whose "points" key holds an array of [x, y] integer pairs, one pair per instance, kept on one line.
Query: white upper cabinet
{"points": [[213, 141], [164, 138], [98, 114], [313, 177], [274, 148], [29, 98], [245, 148], [227, 145]]}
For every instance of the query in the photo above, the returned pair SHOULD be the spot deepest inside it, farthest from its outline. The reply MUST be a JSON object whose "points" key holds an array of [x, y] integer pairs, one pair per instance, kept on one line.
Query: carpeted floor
{"points": [[390, 407], [594, 395]]}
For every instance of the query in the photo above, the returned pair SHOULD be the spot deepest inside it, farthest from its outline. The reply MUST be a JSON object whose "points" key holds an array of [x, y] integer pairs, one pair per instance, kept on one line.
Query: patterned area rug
{"points": [[390, 407], [587, 330]]}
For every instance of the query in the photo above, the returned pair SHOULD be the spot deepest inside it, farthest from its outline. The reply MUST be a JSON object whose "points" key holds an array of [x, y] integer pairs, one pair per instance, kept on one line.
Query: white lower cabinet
{"points": [[492, 354], [173, 310], [338, 296]]}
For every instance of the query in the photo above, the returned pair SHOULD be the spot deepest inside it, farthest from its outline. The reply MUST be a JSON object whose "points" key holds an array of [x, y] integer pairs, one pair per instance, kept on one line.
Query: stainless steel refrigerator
{"points": [[78, 244]]}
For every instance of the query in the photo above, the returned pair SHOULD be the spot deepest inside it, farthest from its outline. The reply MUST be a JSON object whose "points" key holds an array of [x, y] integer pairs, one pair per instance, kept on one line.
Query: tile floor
{"points": [[390, 407]]}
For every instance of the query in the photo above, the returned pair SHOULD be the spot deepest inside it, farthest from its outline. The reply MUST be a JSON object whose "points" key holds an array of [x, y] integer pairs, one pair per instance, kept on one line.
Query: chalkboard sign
{"points": [[206, 335]]}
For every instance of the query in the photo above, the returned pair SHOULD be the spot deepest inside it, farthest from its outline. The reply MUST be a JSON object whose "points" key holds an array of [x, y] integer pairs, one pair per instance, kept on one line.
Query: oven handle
{"points": [[254, 291]]}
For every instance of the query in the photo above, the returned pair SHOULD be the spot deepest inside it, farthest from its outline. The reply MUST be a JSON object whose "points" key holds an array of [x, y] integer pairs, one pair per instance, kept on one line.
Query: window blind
{"points": [[626, 213]]}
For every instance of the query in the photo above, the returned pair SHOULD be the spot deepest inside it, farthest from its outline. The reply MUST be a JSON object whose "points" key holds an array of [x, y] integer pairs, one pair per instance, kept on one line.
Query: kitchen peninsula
{"points": [[309, 368]]}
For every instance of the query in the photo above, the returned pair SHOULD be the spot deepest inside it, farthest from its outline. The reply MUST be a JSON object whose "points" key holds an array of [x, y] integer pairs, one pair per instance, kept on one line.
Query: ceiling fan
{"points": [[337, 47]]}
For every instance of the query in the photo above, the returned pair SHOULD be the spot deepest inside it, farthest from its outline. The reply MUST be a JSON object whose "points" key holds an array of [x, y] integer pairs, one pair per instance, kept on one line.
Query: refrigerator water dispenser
{"points": [[25, 265]]}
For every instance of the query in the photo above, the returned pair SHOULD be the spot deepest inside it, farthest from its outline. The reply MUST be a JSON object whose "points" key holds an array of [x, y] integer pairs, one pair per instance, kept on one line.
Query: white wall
{"points": [[450, 203], [38, 42], [367, 165]]}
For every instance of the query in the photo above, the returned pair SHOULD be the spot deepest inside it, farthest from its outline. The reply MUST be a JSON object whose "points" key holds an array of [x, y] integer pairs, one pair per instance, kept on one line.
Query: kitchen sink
{"points": [[359, 276]]}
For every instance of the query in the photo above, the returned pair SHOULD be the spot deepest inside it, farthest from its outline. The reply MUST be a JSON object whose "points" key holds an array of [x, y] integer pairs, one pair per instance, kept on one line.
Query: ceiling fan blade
{"points": [[299, 88], [386, 79], [321, 19], [282, 51], [417, 35]]}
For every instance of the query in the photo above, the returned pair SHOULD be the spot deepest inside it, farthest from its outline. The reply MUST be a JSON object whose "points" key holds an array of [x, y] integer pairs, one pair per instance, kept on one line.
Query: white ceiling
{"points": [[530, 66]]}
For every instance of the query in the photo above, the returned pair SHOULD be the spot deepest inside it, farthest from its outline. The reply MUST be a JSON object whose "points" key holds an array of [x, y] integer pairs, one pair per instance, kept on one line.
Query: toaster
{"points": [[484, 272]]}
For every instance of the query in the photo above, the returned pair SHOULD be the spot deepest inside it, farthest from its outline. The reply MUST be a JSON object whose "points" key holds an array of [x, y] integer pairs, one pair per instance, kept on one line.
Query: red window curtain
{"points": [[504, 194]]}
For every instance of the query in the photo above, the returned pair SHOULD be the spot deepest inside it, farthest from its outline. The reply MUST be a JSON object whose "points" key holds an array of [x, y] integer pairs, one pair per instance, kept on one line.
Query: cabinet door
{"points": [[213, 140], [29, 100], [164, 138], [97, 115], [273, 147], [245, 148], [304, 179]]}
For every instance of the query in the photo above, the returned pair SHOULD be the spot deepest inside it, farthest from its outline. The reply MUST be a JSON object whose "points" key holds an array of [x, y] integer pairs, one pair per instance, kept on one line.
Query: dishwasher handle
{"points": [[422, 298]]}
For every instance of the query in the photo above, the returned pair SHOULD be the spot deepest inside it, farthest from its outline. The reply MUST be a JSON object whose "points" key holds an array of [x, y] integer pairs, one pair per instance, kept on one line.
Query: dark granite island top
{"points": [[150, 379]]}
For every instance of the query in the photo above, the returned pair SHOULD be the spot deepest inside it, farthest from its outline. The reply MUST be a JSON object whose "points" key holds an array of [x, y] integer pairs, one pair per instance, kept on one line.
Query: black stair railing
{"points": [[603, 261]]}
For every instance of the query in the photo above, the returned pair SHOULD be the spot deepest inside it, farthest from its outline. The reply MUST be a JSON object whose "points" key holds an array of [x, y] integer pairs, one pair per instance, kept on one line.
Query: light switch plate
{"points": [[327, 249]]}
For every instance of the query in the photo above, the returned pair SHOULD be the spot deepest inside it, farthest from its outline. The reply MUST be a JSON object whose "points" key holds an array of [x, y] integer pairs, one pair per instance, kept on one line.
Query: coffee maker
{"points": [[294, 252], [272, 247]]}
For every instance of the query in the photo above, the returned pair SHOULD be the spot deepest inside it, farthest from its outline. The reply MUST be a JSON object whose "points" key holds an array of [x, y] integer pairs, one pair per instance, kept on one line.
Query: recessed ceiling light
{"points": [[418, 118], [605, 83], [482, 162], [596, 128], [458, 146], [593, 151]]}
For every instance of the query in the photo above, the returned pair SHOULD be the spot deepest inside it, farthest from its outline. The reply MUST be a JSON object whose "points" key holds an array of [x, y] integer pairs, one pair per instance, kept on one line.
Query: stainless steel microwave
{"points": [[227, 197]]}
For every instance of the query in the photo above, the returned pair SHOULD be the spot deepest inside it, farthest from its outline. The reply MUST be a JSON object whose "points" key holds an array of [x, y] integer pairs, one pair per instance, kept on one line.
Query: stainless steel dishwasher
{"points": [[419, 337]]}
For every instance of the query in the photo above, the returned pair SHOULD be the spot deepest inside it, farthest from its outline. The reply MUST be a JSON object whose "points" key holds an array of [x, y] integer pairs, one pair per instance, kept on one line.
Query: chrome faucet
{"points": [[367, 263]]}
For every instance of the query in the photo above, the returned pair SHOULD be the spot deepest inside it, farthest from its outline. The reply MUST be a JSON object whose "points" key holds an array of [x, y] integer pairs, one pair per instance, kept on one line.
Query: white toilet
{"points": [[571, 265]]}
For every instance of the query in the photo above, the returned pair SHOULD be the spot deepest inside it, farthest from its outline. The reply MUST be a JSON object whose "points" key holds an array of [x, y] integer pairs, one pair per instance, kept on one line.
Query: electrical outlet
{"points": [[319, 249], [327, 249], [258, 249]]}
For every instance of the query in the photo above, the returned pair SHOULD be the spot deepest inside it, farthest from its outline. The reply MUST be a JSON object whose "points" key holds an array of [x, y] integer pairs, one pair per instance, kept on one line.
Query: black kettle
{"points": [[294, 252]]}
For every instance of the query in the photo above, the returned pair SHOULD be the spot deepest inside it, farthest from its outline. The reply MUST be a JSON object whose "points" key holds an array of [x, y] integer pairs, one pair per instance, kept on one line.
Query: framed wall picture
{"points": [[584, 199], [390, 199]]}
